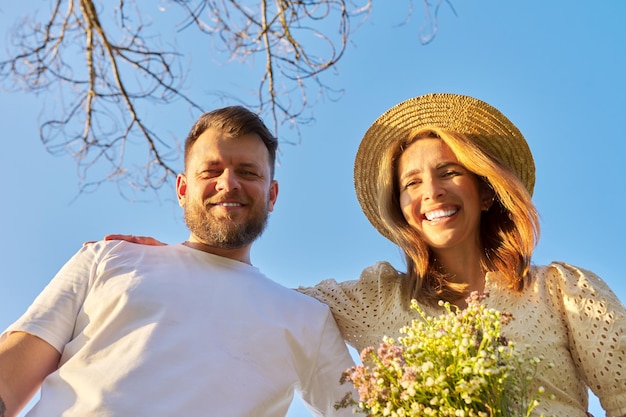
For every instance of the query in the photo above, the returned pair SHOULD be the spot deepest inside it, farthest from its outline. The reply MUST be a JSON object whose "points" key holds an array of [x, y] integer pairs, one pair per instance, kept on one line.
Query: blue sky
{"points": [[556, 69]]}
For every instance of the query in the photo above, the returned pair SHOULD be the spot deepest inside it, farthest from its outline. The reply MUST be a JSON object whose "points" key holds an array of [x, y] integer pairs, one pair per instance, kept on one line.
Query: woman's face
{"points": [[440, 198]]}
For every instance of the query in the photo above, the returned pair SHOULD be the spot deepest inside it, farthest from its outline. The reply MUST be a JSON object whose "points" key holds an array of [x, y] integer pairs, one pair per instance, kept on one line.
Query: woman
{"points": [[453, 189]]}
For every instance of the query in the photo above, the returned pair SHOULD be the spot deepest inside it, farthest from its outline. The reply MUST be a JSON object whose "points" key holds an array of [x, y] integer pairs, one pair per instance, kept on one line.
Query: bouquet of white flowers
{"points": [[457, 364]]}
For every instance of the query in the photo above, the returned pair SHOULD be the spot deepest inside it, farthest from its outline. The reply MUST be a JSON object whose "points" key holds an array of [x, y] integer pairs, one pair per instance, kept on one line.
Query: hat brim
{"points": [[487, 126]]}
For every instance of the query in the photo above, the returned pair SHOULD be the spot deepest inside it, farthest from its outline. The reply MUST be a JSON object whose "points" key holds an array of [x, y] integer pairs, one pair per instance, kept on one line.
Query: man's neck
{"points": [[238, 254]]}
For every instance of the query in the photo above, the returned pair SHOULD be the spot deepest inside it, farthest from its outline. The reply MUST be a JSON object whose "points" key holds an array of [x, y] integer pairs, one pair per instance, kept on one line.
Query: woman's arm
{"points": [[142, 240]]}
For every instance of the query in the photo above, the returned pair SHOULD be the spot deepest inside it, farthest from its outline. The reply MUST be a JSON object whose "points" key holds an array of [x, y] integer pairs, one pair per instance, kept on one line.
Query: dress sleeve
{"points": [[359, 305], [596, 320], [52, 315]]}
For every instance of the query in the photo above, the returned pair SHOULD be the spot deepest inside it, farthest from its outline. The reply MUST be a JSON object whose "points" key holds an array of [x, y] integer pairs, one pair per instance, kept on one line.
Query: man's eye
{"points": [[209, 173]]}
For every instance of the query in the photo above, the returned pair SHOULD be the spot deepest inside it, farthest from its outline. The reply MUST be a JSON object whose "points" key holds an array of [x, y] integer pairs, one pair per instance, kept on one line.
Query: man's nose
{"points": [[227, 181]]}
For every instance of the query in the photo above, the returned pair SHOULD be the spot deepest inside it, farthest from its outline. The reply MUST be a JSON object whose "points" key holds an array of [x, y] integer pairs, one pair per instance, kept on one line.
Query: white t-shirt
{"points": [[174, 331]]}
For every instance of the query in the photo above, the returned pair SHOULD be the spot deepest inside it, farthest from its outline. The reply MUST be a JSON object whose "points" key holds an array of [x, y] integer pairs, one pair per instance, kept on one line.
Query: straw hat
{"points": [[489, 128]]}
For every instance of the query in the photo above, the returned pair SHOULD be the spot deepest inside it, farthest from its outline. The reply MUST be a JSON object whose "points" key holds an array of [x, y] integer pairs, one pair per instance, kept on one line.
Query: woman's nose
{"points": [[433, 189]]}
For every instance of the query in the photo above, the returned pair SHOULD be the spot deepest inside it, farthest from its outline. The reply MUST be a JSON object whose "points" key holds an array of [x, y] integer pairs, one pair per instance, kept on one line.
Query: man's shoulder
{"points": [[114, 251], [293, 300]]}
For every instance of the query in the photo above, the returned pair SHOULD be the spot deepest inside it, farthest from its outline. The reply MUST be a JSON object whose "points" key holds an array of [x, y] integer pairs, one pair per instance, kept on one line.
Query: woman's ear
{"points": [[487, 196]]}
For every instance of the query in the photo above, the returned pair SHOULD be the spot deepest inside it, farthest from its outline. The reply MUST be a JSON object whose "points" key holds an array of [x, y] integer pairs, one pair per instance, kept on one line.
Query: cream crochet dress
{"points": [[566, 314]]}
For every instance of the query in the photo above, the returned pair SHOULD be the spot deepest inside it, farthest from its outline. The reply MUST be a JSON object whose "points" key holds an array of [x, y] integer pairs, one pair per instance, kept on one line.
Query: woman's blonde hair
{"points": [[509, 229]]}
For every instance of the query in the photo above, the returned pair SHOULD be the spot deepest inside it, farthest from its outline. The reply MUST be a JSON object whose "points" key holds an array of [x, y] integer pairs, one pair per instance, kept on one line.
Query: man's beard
{"points": [[224, 232]]}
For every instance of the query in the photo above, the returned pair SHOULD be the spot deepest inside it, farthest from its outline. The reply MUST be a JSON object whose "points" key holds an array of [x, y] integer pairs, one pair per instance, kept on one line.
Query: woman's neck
{"points": [[463, 267]]}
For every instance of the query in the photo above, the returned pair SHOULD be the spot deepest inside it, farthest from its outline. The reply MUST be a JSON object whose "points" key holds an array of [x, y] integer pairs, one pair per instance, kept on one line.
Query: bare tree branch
{"points": [[299, 40], [103, 93], [109, 70], [430, 26]]}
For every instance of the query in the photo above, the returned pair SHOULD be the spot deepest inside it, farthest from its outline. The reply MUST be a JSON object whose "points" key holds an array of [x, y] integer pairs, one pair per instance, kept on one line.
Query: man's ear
{"points": [[273, 194], [181, 189]]}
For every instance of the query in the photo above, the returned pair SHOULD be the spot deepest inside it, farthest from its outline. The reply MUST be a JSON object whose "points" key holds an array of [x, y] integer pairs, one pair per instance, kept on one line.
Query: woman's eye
{"points": [[451, 173], [411, 183]]}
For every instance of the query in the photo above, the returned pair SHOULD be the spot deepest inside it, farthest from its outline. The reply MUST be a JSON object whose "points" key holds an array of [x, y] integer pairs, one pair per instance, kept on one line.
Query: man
{"points": [[181, 330]]}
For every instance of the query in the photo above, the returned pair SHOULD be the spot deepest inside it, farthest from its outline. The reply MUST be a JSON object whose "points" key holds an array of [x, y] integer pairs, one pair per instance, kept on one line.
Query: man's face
{"points": [[226, 191]]}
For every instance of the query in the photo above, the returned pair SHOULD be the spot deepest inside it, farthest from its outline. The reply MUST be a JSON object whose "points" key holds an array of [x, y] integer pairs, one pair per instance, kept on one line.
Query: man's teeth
{"points": [[230, 204], [438, 214]]}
